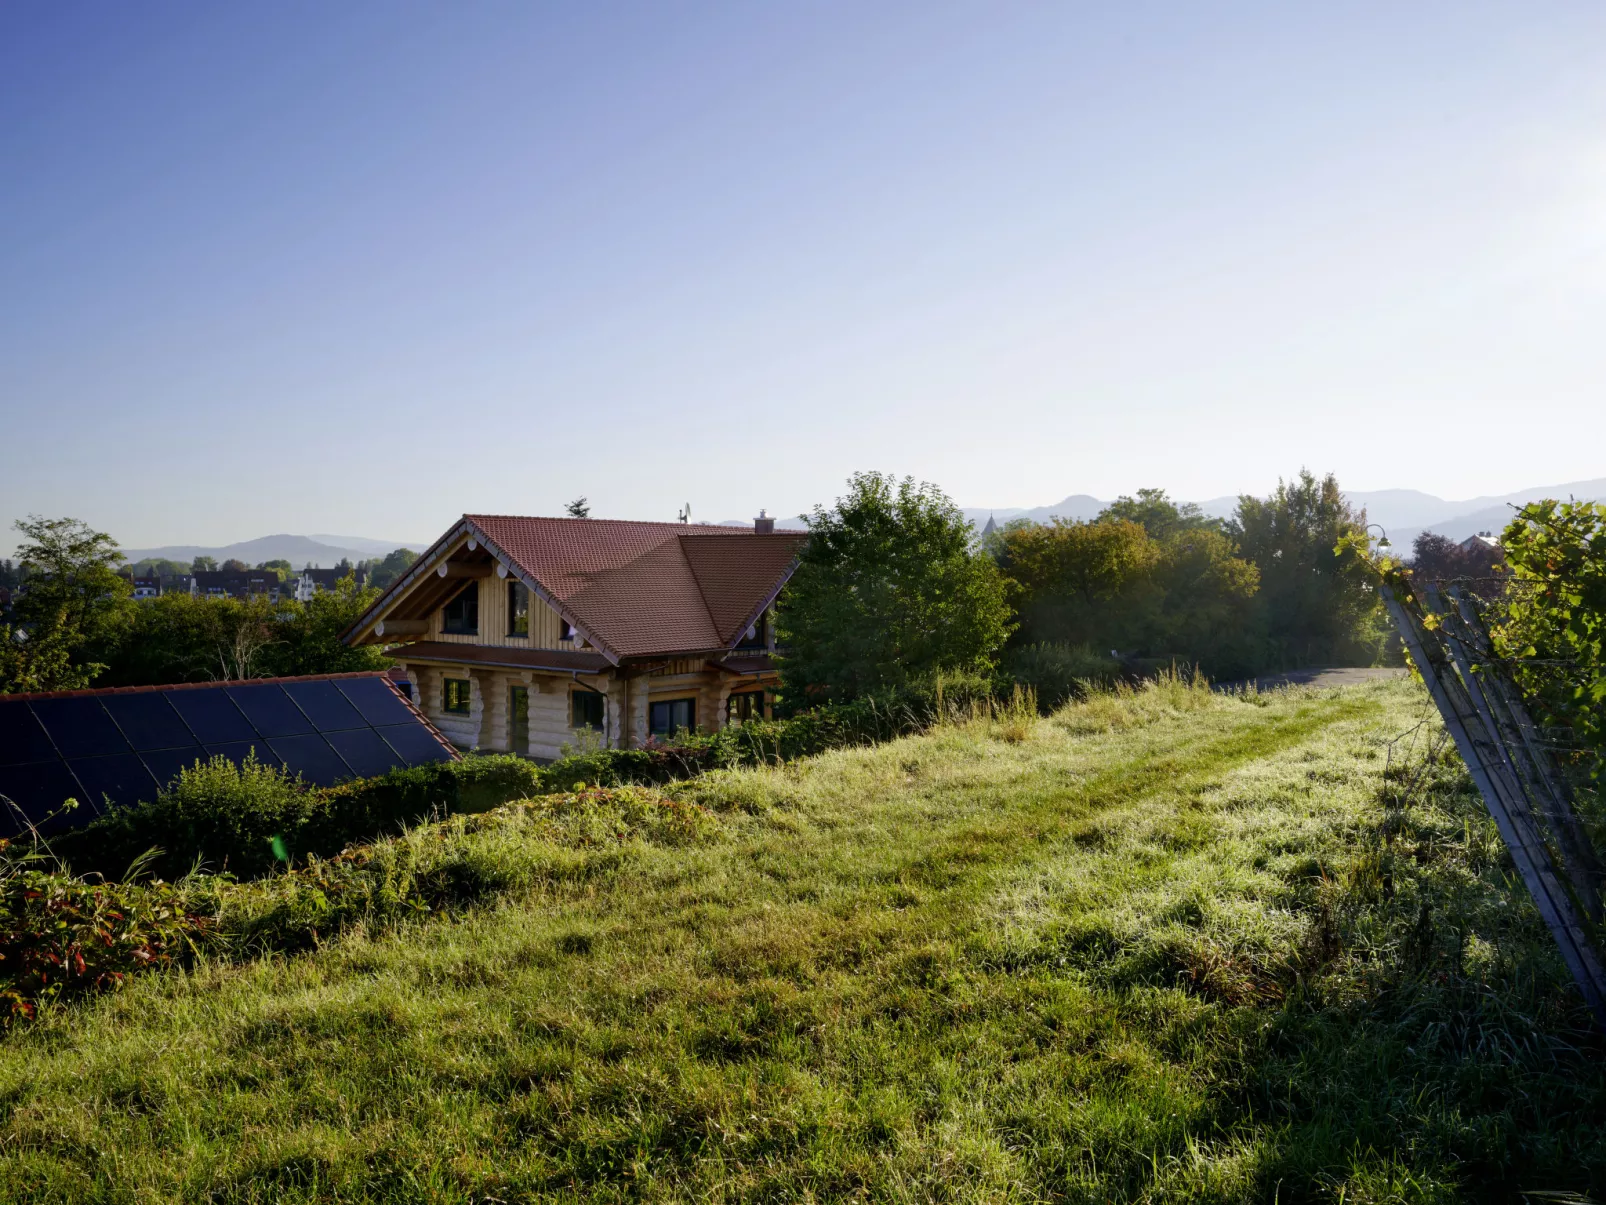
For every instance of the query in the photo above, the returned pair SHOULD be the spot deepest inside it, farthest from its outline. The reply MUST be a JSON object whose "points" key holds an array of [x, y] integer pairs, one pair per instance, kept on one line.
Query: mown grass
{"points": [[1160, 946]]}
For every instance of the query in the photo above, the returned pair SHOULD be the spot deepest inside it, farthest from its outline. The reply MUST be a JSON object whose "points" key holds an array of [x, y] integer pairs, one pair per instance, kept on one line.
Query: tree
{"points": [[70, 612], [1154, 511], [888, 591], [1439, 558], [1318, 606], [1111, 584], [578, 509], [382, 573], [309, 633], [1554, 623], [234, 565], [203, 564]]}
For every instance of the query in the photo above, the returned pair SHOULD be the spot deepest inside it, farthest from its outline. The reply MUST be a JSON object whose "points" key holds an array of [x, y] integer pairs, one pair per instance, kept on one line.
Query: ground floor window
{"points": [[518, 720], [455, 696], [746, 705], [671, 716], [586, 709]]}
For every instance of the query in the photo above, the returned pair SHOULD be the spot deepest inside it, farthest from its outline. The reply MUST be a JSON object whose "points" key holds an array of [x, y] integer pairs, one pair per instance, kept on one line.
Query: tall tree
{"points": [[890, 589], [70, 612], [1154, 511], [1319, 607], [203, 564], [578, 509]]}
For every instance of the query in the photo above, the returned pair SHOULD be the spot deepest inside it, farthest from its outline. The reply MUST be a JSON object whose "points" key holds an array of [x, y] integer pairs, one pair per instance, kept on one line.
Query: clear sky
{"points": [[361, 267]]}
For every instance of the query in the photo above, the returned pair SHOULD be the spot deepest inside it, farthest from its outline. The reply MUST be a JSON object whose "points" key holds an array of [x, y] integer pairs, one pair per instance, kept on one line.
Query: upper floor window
{"points": [[753, 638], [461, 616], [518, 609], [566, 630]]}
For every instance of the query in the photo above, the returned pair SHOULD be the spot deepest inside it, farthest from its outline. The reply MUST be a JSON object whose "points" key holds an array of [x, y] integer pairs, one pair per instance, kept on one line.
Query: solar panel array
{"points": [[116, 748]]}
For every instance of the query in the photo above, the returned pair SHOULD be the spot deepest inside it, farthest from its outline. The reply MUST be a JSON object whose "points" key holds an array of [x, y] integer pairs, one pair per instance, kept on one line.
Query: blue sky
{"points": [[362, 267]]}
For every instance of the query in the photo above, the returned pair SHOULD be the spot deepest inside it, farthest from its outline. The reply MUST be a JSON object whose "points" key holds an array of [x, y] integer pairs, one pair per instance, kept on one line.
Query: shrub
{"points": [[61, 936], [1060, 673]]}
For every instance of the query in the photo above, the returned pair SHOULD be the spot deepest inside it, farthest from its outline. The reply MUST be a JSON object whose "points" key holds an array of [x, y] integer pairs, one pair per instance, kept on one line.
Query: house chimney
{"points": [[763, 525]]}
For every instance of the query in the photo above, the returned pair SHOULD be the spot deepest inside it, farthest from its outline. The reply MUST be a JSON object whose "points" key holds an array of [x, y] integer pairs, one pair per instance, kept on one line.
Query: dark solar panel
{"points": [[415, 743], [238, 751], [364, 751], [312, 758], [122, 779], [164, 764], [148, 720], [211, 715], [377, 701], [22, 737], [79, 726], [270, 710], [73, 746], [37, 790], [325, 706]]}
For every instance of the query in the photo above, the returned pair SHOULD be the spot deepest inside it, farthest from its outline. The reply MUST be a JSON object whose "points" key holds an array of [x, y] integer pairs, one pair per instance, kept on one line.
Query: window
{"points": [[455, 698], [672, 716], [587, 709], [518, 720], [461, 616], [746, 705], [518, 609], [754, 636], [566, 630]]}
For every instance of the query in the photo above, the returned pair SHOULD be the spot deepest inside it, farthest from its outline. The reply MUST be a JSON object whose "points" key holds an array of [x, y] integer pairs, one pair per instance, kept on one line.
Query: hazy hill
{"points": [[323, 552], [1404, 514]]}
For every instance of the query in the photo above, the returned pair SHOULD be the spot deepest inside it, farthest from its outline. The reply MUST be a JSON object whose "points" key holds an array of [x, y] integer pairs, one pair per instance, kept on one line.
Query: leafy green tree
{"points": [[889, 591], [1154, 511], [308, 634], [234, 565], [74, 603], [1318, 606], [383, 572], [1554, 626], [203, 564], [1111, 584]]}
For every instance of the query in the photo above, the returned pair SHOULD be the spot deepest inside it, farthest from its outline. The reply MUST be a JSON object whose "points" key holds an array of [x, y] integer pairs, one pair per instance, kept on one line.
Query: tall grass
{"points": [[1171, 945]]}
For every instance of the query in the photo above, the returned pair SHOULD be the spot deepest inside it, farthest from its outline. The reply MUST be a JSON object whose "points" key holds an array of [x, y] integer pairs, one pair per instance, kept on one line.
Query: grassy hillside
{"points": [[1163, 946]]}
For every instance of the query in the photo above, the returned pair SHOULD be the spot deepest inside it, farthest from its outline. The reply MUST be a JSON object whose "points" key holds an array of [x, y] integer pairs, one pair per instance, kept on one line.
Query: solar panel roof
{"points": [[115, 748]]}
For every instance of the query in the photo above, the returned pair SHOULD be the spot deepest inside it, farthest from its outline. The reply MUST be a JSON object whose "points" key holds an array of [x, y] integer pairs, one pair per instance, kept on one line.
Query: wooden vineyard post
{"points": [[1479, 739]]}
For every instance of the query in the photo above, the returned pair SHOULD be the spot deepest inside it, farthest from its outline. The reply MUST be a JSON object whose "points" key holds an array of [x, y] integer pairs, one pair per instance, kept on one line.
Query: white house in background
{"points": [[526, 635], [1482, 541]]}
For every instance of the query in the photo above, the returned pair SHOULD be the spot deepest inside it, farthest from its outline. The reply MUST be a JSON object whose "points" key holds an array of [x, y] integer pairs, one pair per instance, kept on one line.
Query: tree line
{"points": [[74, 623], [894, 587]]}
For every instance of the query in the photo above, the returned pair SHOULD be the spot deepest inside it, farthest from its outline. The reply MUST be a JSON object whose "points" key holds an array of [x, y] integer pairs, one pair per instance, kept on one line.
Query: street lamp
{"points": [[1383, 544]]}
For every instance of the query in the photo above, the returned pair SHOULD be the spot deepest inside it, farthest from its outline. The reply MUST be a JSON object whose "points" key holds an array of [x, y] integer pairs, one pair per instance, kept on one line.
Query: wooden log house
{"points": [[536, 635]]}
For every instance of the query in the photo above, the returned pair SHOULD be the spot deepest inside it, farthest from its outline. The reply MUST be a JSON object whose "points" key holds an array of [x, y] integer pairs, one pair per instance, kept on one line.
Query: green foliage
{"points": [[159, 567], [889, 591], [61, 936], [1173, 589], [186, 638], [578, 509], [392, 565], [1554, 618], [74, 601], [1154, 511], [1060, 673], [1318, 605], [203, 564]]}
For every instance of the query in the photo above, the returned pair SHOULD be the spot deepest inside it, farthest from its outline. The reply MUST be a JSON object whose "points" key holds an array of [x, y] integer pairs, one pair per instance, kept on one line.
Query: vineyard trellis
{"points": [[1513, 764]]}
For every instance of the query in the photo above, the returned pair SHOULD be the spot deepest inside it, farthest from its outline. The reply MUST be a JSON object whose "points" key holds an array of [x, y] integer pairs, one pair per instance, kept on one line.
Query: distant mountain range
{"points": [[320, 551], [1404, 514]]}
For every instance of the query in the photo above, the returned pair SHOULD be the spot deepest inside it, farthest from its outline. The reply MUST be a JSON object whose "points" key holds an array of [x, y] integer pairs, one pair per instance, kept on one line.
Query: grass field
{"points": [[1167, 946]]}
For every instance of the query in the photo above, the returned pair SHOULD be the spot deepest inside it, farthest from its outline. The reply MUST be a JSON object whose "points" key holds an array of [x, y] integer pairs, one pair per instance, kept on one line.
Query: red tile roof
{"points": [[648, 589]]}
